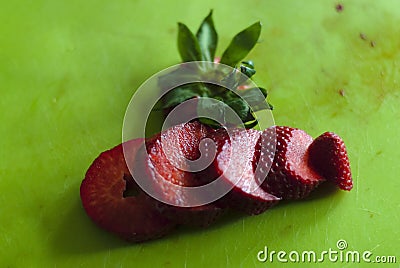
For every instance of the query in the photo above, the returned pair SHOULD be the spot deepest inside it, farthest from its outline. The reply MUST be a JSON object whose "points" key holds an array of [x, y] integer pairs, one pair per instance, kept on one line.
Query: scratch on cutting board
{"points": [[227, 256], [326, 231], [368, 143], [186, 256], [250, 253], [370, 211], [203, 257], [315, 215], [315, 225], [330, 208], [260, 226], [106, 258], [357, 179], [308, 107], [373, 249]]}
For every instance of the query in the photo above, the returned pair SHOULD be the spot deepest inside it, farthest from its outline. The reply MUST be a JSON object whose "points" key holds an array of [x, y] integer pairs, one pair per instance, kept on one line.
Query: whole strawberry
{"points": [[328, 156]]}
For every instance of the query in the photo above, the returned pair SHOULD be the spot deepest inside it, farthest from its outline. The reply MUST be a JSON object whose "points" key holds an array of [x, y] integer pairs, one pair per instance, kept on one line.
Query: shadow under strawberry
{"points": [[323, 191], [76, 235]]}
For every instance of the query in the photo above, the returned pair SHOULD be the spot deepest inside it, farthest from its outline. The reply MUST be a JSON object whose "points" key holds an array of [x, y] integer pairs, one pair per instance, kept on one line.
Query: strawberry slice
{"points": [[114, 201], [235, 164], [290, 176], [328, 156], [174, 156], [170, 150]]}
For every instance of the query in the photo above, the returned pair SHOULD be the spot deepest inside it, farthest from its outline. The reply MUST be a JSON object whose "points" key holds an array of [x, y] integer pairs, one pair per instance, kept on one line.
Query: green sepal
{"points": [[207, 38], [241, 45], [188, 45]]}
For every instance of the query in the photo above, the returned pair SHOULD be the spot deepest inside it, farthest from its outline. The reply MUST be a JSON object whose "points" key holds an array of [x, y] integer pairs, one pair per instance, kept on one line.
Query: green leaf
{"points": [[263, 91], [255, 97], [248, 63], [209, 122], [208, 38], [240, 107], [250, 117], [231, 80], [178, 95], [241, 45], [188, 45], [214, 109], [258, 93], [211, 108], [251, 124], [249, 72], [184, 72], [218, 111]]}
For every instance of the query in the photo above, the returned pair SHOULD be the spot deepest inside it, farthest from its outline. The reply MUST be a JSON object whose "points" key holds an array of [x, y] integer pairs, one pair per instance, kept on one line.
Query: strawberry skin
{"points": [[113, 200], [235, 164], [328, 156], [290, 176]]}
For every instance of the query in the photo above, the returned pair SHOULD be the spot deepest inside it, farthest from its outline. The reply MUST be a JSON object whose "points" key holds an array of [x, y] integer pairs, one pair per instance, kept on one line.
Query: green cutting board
{"points": [[69, 68]]}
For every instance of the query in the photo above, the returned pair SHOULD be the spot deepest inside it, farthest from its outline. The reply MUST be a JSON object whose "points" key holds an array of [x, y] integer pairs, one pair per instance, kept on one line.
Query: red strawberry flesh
{"points": [[172, 156], [234, 163], [170, 151], [128, 213], [328, 156], [290, 176]]}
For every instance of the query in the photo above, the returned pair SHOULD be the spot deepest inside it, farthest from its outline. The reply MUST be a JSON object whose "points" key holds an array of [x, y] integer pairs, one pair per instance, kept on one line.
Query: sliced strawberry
{"points": [[113, 200], [172, 157], [290, 176], [328, 155], [170, 150], [235, 164]]}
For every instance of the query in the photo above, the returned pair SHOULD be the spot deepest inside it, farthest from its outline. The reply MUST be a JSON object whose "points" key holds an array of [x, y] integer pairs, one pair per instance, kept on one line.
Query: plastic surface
{"points": [[69, 68]]}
